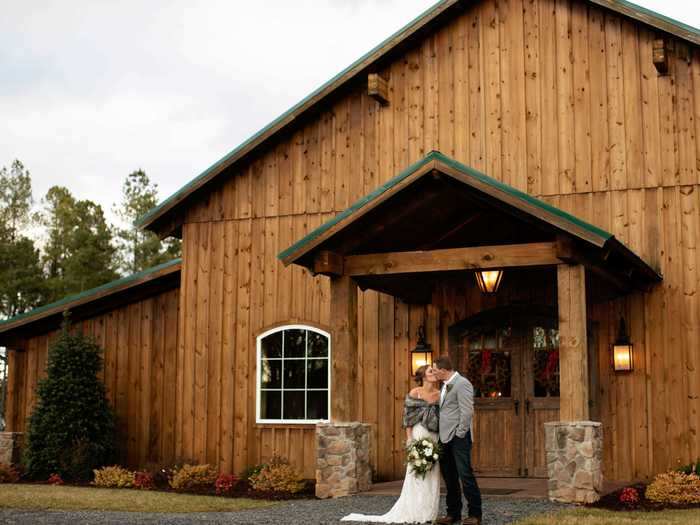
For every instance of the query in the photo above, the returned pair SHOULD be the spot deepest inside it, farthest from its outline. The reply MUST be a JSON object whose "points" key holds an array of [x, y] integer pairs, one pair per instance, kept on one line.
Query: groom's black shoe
{"points": [[445, 520], [471, 520]]}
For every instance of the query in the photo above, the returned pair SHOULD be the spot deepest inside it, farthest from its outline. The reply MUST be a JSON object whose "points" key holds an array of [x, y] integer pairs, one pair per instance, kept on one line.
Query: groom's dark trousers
{"points": [[456, 466]]}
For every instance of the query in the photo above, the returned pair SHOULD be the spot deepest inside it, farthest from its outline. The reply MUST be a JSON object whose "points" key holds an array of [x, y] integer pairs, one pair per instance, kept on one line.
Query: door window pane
{"points": [[318, 345], [545, 362], [490, 373]]}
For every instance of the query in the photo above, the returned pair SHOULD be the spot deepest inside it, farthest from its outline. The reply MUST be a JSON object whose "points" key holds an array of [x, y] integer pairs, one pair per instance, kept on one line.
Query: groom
{"points": [[456, 411]]}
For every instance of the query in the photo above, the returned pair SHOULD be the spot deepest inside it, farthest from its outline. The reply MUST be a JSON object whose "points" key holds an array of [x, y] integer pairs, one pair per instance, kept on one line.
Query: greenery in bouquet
{"points": [[422, 455]]}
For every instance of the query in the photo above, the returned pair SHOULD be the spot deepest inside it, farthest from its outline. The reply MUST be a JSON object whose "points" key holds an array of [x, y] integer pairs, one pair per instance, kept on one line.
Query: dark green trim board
{"points": [[363, 65], [86, 296], [305, 244]]}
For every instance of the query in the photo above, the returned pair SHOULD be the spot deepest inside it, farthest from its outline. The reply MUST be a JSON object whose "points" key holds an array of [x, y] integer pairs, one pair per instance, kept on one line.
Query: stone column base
{"points": [[342, 459], [11, 447], [574, 460]]}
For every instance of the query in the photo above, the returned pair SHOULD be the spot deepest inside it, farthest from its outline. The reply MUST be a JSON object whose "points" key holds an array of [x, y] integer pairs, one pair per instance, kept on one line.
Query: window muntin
{"points": [[293, 375]]}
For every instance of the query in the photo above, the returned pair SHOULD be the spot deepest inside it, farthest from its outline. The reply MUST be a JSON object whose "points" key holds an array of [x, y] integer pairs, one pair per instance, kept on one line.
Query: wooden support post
{"points": [[573, 346], [344, 348]]}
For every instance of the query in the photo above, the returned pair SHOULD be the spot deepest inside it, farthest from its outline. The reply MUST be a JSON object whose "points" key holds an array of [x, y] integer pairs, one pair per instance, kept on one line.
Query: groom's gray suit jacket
{"points": [[457, 409]]}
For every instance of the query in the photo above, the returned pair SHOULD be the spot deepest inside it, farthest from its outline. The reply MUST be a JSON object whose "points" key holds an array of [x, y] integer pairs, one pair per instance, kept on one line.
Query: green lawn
{"points": [[604, 517], [24, 496]]}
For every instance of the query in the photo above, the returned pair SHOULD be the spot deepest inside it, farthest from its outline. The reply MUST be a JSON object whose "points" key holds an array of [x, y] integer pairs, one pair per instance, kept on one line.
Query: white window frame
{"points": [[258, 376]]}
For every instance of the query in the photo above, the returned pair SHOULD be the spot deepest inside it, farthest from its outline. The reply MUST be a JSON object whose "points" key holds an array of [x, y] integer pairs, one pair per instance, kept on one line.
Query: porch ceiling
{"points": [[437, 205]]}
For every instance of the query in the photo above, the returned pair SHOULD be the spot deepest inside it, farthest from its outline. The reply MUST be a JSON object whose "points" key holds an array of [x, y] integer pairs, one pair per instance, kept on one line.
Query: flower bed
{"points": [[619, 500], [262, 482]]}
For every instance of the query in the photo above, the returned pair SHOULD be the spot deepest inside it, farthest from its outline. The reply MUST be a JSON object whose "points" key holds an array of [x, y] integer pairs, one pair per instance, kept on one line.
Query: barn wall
{"points": [[140, 343], [559, 99]]}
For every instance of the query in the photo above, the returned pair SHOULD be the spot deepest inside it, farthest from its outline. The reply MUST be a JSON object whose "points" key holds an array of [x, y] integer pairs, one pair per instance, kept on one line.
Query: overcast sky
{"points": [[91, 90]]}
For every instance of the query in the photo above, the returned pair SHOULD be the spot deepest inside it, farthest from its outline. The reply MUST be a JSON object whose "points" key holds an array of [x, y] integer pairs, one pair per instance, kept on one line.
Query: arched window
{"points": [[293, 375]]}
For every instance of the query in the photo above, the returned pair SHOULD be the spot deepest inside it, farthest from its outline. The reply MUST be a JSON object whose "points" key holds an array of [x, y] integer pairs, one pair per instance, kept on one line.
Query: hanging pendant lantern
{"points": [[489, 280]]}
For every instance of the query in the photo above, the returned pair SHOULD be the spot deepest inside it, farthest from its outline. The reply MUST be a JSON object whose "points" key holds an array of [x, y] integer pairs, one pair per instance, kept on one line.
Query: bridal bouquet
{"points": [[421, 455]]}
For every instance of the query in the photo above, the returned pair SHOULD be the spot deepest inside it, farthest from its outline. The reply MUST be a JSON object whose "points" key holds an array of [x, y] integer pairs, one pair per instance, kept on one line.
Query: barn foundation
{"points": [[11, 447]]}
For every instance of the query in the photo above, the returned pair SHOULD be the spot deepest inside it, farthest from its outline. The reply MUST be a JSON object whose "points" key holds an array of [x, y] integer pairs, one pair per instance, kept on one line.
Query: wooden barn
{"points": [[549, 149]]}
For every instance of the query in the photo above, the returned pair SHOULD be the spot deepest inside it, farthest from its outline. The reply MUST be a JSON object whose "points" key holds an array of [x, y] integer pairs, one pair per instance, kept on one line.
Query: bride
{"points": [[420, 497]]}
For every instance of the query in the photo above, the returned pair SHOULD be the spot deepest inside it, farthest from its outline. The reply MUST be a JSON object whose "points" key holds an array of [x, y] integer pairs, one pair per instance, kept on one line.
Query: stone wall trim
{"points": [[574, 460]]}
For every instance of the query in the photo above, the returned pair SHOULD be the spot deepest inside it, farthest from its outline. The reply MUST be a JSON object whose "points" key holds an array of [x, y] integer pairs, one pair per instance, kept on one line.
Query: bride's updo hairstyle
{"points": [[419, 376]]}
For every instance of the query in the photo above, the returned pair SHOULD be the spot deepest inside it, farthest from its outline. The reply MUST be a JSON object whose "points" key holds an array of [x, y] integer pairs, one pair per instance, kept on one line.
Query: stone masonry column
{"points": [[11, 447], [574, 460], [342, 459]]}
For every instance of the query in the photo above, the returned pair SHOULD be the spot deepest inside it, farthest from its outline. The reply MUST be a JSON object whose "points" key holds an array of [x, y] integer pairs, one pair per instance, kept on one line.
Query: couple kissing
{"points": [[437, 417]]}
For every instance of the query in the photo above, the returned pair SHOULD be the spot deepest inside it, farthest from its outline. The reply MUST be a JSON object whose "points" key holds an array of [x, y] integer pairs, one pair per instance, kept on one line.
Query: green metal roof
{"points": [[86, 294], [596, 232], [621, 6]]}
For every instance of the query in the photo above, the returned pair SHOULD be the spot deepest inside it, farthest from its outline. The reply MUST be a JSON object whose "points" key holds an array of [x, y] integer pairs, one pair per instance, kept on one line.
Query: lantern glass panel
{"points": [[420, 358], [489, 280], [622, 357]]}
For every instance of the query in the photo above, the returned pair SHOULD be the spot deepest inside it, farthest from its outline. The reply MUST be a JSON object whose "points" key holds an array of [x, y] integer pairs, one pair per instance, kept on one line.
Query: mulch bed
{"points": [[611, 501]]}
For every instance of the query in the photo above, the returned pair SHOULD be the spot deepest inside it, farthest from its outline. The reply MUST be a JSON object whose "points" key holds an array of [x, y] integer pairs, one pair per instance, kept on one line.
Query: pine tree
{"points": [[79, 253], [141, 249], [22, 283], [71, 429]]}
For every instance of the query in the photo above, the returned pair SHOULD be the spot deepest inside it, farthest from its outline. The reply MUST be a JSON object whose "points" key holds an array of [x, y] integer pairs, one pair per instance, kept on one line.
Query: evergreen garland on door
{"points": [[71, 429]]}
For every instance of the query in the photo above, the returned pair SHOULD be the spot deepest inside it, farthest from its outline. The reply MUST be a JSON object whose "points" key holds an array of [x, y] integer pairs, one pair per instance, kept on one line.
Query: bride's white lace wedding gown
{"points": [[419, 501]]}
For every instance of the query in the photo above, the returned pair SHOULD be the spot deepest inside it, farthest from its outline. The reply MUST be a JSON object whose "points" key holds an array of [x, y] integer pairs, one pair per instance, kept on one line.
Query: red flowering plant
{"points": [[629, 497], [143, 481], [225, 483], [55, 479]]}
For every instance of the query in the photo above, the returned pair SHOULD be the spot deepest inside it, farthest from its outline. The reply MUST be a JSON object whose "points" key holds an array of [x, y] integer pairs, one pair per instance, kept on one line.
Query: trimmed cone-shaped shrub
{"points": [[71, 429]]}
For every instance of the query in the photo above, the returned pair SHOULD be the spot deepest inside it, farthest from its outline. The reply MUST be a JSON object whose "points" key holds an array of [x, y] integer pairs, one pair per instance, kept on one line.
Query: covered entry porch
{"points": [[422, 238]]}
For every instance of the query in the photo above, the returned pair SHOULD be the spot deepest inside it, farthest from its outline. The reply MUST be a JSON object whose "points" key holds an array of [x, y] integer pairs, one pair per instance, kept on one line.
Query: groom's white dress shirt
{"points": [[443, 390]]}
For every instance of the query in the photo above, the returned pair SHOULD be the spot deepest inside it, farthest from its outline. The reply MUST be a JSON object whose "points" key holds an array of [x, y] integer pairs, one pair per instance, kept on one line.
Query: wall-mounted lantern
{"points": [[489, 280], [622, 351], [422, 354]]}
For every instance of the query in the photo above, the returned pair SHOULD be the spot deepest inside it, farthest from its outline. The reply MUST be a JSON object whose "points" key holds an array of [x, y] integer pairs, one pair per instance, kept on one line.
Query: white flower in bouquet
{"points": [[435, 457], [425, 443]]}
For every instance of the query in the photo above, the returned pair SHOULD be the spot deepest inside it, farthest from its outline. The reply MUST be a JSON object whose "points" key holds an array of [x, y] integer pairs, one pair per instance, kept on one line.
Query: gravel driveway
{"points": [[497, 511]]}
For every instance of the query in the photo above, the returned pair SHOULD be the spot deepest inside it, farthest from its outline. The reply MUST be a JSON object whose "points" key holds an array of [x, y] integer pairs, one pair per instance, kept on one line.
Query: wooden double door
{"points": [[513, 363]]}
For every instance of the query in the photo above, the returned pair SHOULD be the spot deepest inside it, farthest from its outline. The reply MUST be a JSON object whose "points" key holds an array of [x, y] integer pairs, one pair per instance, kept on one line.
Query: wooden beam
{"points": [[473, 258], [660, 55], [378, 88], [327, 262], [343, 322], [573, 345]]}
